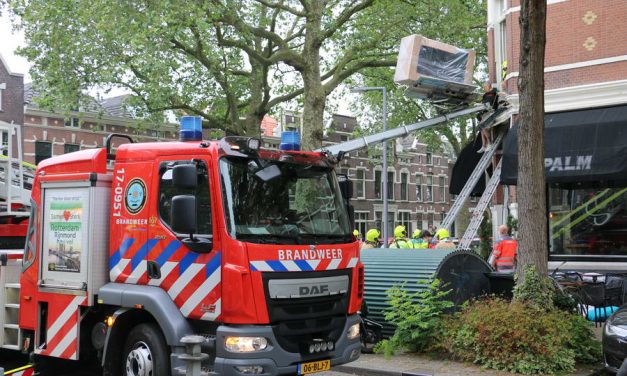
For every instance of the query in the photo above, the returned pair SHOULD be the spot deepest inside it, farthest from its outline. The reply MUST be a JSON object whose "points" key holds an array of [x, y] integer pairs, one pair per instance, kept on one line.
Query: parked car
{"points": [[615, 342]]}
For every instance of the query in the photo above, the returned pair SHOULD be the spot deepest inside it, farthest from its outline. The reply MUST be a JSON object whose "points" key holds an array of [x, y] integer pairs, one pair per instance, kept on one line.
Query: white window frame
{"points": [[442, 186], [406, 174], [418, 184], [3, 87], [500, 38], [361, 182], [71, 120]]}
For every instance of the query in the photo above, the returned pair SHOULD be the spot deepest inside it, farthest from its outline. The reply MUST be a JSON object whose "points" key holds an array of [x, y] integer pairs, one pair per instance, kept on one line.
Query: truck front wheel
{"points": [[145, 352]]}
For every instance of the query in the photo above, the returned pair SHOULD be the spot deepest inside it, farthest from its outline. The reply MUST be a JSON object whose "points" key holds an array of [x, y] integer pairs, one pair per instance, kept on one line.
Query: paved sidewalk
{"points": [[415, 365]]}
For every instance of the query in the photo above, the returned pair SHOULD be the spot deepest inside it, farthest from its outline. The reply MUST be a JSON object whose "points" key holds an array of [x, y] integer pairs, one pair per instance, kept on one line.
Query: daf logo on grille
{"points": [[307, 287], [313, 290]]}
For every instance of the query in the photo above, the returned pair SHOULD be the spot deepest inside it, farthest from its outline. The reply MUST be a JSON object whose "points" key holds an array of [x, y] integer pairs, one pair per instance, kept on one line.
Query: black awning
{"points": [[586, 146], [466, 162]]}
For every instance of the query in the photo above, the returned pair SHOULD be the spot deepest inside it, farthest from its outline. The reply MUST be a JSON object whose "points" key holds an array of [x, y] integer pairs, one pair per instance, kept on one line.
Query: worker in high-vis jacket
{"points": [[503, 258], [444, 239], [400, 238], [372, 239]]}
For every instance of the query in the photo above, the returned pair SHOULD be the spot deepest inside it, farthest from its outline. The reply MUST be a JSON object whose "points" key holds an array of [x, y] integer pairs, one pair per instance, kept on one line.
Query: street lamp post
{"points": [[385, 156]]}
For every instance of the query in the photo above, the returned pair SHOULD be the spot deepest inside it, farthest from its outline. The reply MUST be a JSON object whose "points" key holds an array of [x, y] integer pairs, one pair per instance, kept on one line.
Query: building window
{"points": [[588, 221], [419, 221], [378, 215], [43, 150], [343, 138], [430, 219], [418, 187], [404, 219], [361, 183], [4, 142], [344, 171], [442, 189], [500, 37], [377, 184], [429, 158], [70, 148], [404, 186], [361, 223], [429, 192], [390, 185], [72, 122]]}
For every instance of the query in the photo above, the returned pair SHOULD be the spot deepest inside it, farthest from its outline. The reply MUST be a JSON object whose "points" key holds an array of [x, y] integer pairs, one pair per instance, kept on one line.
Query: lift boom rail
{"points": [[401, 131]]}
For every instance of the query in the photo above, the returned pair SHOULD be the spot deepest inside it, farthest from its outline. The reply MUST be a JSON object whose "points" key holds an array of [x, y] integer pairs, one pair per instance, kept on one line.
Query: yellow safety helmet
{"points": [[442, 234], [400, 232], [416, 234], [356, 233], [372, 235]]}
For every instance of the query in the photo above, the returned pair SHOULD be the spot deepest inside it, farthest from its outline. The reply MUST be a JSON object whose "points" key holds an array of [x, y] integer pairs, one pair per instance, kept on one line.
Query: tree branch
{"points": [[282, 6], [343, 73], [343, 18]]}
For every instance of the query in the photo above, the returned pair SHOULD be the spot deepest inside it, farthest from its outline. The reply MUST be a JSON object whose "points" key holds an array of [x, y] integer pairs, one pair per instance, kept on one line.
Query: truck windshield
{"points": [[268, 201]]}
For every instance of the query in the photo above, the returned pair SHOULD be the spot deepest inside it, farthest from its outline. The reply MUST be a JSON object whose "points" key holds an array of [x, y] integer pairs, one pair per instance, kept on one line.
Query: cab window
{"points": [[203, 201]]}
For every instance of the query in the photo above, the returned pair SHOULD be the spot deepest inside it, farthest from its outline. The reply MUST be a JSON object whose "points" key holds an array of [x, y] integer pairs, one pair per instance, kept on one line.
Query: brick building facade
{"points": [[585, 89], [586, 52]]}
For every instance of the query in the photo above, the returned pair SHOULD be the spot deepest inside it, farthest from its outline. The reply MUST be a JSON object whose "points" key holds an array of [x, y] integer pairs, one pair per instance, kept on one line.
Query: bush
{"points": [[416, 316], [518, 337]]}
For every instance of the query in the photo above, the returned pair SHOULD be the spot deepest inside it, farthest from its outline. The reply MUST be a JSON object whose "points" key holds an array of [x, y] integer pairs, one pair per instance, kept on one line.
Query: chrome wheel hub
{"points": [[139, 361]]}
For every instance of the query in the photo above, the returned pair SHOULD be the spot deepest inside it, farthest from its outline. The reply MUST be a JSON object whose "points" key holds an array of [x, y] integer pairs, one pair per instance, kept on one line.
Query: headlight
{"points": [[618, 330], [245, 344], [353, 331]]}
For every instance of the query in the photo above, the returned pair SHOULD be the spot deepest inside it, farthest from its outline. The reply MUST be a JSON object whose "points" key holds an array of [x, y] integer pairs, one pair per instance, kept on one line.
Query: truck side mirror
{"points": [[184, 217], [185, 176], [346, 186], [185, 221]]}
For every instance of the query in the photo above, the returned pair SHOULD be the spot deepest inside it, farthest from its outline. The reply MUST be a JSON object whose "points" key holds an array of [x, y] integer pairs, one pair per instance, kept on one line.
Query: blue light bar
{"points": [[191, 128], [290, 140]]}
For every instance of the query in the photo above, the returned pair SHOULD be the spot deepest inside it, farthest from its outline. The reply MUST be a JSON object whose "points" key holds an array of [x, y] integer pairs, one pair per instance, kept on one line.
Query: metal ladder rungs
{"points": [[477, 216], [485, 160]]}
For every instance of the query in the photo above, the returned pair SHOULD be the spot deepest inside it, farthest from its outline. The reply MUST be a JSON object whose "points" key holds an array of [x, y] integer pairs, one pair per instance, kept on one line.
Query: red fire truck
{"points": [[129, 254]]}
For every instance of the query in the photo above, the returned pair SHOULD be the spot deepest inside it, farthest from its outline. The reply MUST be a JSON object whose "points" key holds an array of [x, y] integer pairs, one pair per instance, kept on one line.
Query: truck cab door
{"points": [[190, 275]]}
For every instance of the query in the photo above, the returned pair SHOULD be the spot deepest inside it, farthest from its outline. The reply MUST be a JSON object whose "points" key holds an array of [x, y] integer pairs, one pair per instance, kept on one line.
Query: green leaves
{"points": [[416, 317], [516, 337]]}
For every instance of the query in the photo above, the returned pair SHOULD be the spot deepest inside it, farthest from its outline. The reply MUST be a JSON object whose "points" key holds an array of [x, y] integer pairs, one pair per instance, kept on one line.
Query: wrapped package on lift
{"points": [[431, 68]]}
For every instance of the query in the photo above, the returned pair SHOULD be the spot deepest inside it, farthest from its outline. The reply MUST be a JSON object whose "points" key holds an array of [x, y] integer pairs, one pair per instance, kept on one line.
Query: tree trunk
{"points": [[533, 237], [314, 95]]}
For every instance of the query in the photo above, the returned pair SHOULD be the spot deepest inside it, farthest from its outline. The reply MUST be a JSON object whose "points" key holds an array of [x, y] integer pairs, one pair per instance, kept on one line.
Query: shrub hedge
{"points": [[517, 337]]}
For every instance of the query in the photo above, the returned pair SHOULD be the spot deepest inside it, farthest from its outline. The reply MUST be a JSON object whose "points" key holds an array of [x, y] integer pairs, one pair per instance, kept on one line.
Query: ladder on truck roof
{"points": [[16, 176]]}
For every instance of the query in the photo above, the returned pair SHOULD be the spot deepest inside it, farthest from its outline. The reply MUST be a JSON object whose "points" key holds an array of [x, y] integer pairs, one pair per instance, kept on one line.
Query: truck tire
{"points": [[145, 352]]}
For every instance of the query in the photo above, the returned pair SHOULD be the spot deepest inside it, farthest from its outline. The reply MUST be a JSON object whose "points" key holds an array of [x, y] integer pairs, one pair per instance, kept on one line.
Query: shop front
{"points": [[586, 173]]}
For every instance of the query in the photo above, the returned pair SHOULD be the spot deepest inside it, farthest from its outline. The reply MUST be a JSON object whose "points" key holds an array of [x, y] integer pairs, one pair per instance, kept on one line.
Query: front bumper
{"points": [[274, 359]]}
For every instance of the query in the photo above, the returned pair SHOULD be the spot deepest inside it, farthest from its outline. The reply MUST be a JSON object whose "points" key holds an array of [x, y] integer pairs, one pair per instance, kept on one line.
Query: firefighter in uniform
{"points": [[400, 238], [444, 239], [372, 239], [503, 257]]}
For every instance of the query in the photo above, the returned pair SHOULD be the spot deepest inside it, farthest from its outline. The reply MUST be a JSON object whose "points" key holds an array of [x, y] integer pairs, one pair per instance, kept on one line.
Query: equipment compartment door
{"points": [[65, 242]]}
